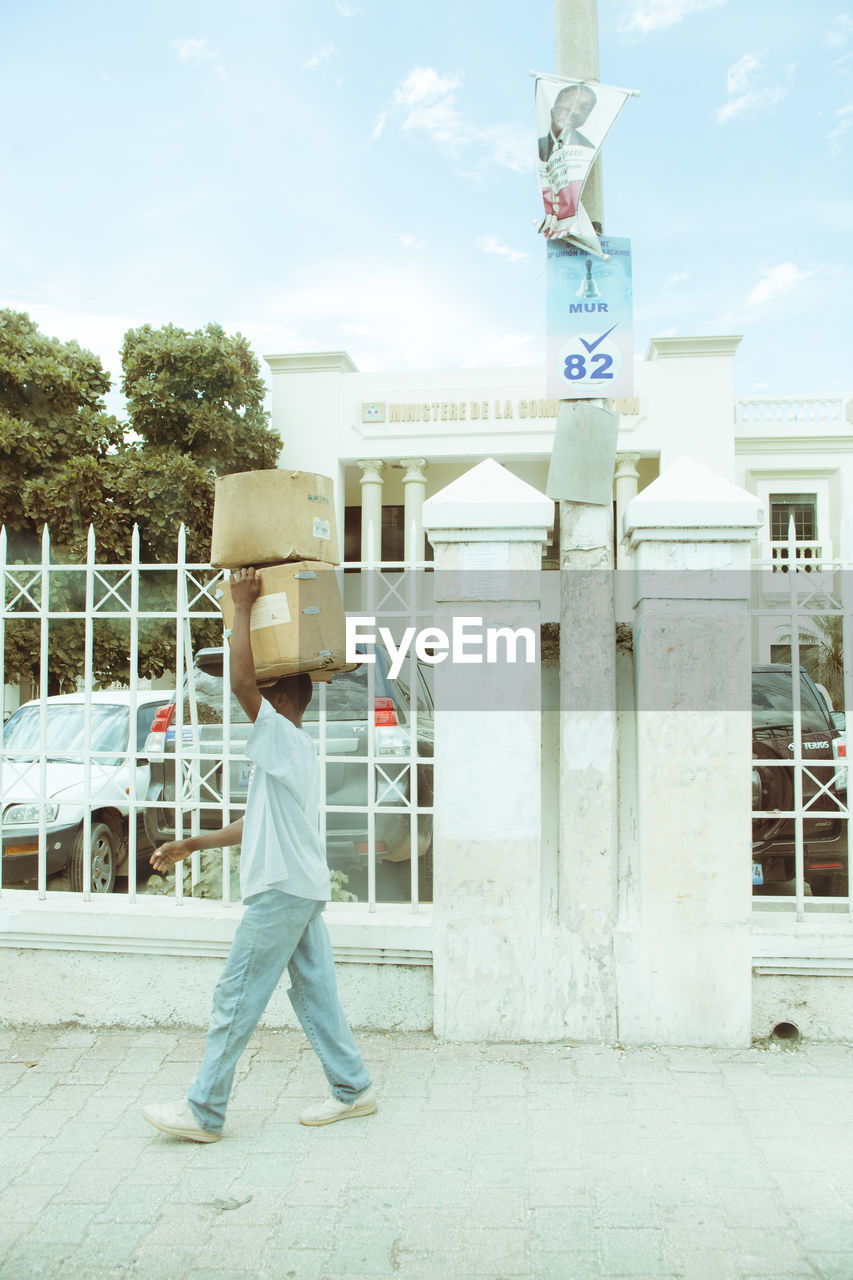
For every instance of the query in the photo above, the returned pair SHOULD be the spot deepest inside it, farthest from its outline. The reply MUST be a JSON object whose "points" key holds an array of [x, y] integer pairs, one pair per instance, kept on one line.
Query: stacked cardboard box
{"points": [[283, 523]]}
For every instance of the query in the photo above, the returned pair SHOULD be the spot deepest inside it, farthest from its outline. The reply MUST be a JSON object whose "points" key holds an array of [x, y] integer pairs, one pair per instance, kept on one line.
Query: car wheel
{"points": [[772, 788], [104, 845]]}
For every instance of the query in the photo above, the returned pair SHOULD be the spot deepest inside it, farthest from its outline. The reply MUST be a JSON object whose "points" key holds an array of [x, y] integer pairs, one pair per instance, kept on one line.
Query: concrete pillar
{"points": [[492, 980], [371, 510], [589, 831], [414, 493], [683, 947], [625, 482]]}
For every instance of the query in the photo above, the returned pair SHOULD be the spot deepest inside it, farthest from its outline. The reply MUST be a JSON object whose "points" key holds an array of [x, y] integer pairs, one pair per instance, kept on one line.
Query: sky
{"points": [[360, 175]]}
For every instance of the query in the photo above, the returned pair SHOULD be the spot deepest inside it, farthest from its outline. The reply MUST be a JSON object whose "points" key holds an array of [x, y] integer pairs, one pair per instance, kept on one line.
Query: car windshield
{"points": [[65, 738], [773, 703]]}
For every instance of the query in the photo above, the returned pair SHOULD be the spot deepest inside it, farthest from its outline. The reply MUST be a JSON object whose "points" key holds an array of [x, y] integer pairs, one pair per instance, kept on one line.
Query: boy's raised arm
{"points": [[245, 589]]}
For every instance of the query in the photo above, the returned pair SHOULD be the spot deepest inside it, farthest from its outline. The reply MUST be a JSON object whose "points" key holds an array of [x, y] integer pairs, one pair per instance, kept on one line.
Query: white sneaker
{"points": [[330, 1110], [177, 1118]]}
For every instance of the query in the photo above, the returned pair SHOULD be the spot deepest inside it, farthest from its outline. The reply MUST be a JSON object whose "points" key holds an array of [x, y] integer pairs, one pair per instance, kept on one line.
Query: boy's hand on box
{"points": [[245, 587]]}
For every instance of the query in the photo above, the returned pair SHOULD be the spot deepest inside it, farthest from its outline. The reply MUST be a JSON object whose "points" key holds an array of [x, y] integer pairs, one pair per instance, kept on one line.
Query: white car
{"points": [[54, 779]]}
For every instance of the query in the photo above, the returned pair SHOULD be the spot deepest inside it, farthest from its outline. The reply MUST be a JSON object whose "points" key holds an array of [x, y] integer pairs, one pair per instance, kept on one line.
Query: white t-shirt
{"points": [[281, 843]]}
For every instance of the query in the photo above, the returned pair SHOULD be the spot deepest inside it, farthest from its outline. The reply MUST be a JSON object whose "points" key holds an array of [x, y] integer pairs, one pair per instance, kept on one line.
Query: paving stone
{"points": [[776, 1253], [629, 1207], [830, 1266], [232, 1247], [595, 1162], [635, 1251], [570, 1229], [548, 1265], [109, 1245], [297, 1264], [365, 1251], [32, 1257], [163, 1261], [10, 1233]]}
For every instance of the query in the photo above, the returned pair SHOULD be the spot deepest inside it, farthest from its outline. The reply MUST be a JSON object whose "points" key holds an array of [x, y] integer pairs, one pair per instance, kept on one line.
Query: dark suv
{"points": [[773, 787], [342, 735]]}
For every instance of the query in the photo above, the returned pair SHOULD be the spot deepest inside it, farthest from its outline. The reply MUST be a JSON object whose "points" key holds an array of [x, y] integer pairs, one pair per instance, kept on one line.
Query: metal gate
{"points": [[179, 766], [802, 688]]}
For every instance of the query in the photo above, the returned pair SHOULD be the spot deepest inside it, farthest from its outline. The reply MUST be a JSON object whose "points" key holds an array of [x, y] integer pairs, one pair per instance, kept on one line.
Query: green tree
{"points": [[51, 411], [825, 660], [195, 403], [198, 394]]}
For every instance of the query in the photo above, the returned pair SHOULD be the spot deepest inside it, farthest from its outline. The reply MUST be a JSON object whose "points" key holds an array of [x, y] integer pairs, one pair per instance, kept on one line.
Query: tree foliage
{"points": [[195, 405], [51, 411], [825, 661], [198, 394]]}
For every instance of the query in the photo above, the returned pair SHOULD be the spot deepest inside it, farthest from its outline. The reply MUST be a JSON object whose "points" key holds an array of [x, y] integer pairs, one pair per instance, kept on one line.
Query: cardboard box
{"points": [[297, 621], [267, 517]]}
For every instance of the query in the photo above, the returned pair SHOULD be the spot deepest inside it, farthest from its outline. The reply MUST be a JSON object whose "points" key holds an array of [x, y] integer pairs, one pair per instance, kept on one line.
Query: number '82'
{"points": [[576, 366]]}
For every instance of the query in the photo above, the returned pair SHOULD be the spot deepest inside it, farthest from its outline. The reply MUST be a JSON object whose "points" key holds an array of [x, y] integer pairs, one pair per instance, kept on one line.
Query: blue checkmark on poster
{"points": [[590, 346]]}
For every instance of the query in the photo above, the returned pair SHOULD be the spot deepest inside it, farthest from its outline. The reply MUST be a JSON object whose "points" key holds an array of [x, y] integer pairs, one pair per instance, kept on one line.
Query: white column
{"points": [[683, 947], [494, 978], [371, 510], [414, 493], [626, 481]]}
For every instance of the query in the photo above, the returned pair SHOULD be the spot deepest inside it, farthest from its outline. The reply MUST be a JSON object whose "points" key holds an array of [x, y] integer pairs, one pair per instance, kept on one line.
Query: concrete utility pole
{"points": [[577, 59], [588, 759]]}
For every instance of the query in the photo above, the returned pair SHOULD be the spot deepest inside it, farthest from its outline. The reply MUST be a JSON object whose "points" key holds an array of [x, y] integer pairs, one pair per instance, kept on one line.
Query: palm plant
{"points": [[824, 657]]}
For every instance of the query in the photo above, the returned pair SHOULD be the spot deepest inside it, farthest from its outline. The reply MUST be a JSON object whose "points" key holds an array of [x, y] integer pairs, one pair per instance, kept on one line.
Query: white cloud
{"points": [[429, 104], [775, 281], [452, 324], [411, 242], [844, 121], [746, 90], [327, 51], [491, 244], [347, 10], [426, 103], [678, 278], [655, 15], [844, 64], [510, 147], [839, 31], [195, 50], [737, 80], [378, 126]]}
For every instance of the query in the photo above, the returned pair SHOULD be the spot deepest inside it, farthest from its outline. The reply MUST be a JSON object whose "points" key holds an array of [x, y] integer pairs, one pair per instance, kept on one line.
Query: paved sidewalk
{"points": [[538, 1161]]}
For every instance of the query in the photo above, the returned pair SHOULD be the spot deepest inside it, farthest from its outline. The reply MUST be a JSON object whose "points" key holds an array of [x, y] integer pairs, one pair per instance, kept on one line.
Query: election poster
{"points": [[573, 118], [590, 340]]}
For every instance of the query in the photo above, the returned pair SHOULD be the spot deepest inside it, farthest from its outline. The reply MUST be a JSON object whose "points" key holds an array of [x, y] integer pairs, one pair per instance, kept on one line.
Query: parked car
{"points": [[824, 829], [346, 734], [114, 775], [839, 746]]}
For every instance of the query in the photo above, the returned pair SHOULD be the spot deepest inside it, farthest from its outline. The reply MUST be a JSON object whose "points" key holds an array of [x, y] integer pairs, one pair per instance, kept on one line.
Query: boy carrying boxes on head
{"points": [[284, 882]]}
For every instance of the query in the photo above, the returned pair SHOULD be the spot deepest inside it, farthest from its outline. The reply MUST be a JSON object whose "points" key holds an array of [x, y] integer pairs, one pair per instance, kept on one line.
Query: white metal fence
{"points": [[88, 791], [801, 817]]}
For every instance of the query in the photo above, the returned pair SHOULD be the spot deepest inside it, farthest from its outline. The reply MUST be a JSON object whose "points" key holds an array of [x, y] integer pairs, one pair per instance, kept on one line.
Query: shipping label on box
{"points": [[267, 517], [297, 622]]}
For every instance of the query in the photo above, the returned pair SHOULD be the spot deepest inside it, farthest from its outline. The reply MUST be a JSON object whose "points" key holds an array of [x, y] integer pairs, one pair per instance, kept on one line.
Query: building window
{"points": [[803, 508], [393, 535]]}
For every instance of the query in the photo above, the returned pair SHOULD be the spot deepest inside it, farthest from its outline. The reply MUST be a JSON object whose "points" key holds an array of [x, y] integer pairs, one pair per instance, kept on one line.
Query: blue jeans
{"points": [[277, 931]]}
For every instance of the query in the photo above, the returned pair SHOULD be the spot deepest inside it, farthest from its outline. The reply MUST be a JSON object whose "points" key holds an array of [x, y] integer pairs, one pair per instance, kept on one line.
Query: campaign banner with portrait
{"points": [[590, 341], [573, 117]]}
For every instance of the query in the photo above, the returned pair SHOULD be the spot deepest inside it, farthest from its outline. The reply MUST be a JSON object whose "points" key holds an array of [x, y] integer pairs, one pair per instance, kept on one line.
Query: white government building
{"points": [[392, 439]]}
